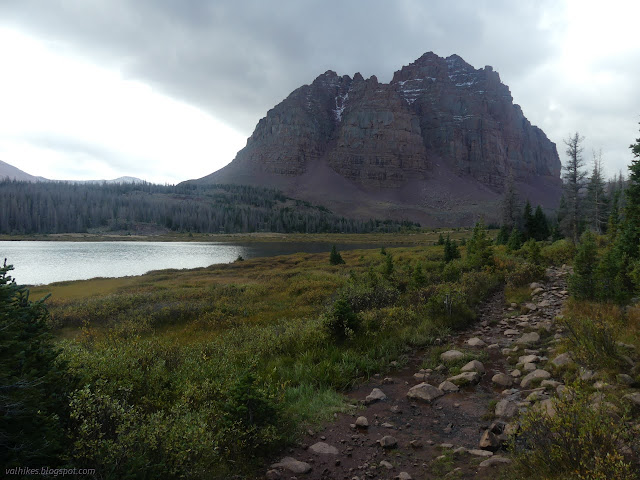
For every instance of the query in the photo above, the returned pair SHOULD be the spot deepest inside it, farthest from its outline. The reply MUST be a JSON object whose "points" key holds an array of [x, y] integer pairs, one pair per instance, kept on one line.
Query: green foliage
{"points": [[387, 267], [582, 282], [528, 221], [479, 249], [515, 240], [342, 322], [440, 239], [540, 228], [451, 251], [33, 382], [581, 441], [558, 253], [503, 235], [523, 274], [532, 252], [418, 278], [334, 257]]}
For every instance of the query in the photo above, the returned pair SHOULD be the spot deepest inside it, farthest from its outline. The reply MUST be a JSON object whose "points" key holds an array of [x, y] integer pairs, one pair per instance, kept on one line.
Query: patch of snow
{"points": [[340, 104]]}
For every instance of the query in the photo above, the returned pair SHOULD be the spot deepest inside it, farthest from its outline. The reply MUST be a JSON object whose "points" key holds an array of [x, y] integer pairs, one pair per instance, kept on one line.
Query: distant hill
{"points": [[13, 173], [435, 145]]}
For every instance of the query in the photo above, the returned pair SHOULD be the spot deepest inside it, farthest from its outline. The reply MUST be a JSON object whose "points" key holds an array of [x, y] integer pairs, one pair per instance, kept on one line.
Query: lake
{"points": [[46, 262]]}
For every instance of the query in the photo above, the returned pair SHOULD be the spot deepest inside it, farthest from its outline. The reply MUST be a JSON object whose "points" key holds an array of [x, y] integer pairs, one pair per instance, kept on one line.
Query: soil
{"points": [[451, 421]]}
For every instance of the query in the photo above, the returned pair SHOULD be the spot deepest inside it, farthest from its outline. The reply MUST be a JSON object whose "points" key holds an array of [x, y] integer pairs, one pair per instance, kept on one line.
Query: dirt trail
{"points": [[439, 439]]}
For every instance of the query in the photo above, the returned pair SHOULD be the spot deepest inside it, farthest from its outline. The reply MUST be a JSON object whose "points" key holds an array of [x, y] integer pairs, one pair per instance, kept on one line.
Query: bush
{"points": [[581, 441], [582, 283], [523, 274], [558, 253], [334, 257], [479, 249], [341, 323]]}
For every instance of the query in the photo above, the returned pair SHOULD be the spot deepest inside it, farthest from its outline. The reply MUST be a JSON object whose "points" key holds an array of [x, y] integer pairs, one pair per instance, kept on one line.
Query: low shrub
{"points": [[580, 441], [558, 253]]}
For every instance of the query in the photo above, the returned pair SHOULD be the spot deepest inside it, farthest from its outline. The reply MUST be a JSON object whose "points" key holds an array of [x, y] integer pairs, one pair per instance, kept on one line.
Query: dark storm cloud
{"points": [[238, 59]]}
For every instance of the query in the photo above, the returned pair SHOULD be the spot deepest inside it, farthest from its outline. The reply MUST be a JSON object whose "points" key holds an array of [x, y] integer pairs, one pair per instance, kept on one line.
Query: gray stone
{"points": [[424, 392], [404, 476], [322, 448], [531, 306], [511, 332], [465, 378], [293, 465], [531, 378], [388, 442], [362, 422], [528, 338], [273, 475], [386, 465], [448, 387], [562, 360], [534, 285], [537, 290], [473, 366], [516, 373], [476, 342], [494, 461], [506, 408], [502, 379], [376, 395], [451, 356], [489, 441], [480, 453], [624, 379], [528, 359], [633, 398], [529, 367]]}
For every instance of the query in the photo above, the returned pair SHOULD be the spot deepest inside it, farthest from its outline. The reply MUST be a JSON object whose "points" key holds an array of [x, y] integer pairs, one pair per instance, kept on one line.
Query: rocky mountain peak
{"points": [[437, 114]]}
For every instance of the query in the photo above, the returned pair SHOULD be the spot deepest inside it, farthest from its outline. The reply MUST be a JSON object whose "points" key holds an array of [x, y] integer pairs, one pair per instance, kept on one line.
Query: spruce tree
{"points": [[450, 250], [334, 257], [515, 240], [479, 249], [540, 225], [583, 282], [597, 202], [527, 221], [33, 384], [574, 181], [509, 202], [503, 235]]}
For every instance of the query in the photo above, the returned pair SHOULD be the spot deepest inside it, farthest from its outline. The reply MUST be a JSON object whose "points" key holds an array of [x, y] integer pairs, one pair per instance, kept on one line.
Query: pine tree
{"points": [[630, 231], [527, 221], [387, 268], [33, 385], [440, 239], [597, 201], [574, 179], [450, 250], [334, 257], [479, 249], [614, 217], [503, 235], [583, 282], [515, 240], [418, 279], [540, 225], [509, 202]]}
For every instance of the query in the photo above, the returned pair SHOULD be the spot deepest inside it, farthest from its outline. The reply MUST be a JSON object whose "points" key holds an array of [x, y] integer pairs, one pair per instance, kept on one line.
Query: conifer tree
{"points": [[527, 221], [574, 181], [509, 202], [540, 225], [450, 250], [583, 282], [515, 240], [597, 201], [479, 249], [334, 257]]}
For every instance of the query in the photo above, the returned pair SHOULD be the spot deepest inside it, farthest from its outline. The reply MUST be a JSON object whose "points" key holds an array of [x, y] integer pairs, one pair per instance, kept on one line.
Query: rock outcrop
{"points": [[442, 136]]}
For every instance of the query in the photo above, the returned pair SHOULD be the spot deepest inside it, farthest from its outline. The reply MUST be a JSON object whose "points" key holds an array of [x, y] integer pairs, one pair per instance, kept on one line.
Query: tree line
{"points": [[58, 207]]}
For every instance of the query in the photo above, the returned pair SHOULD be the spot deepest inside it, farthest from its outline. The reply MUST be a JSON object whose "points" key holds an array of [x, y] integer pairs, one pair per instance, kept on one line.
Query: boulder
{"points": [[424, 392], [495, 460], [506, 408], [376, 395], [502, 379], [476, 342], [562, 360], [362, 422], [388, 442], [322, 448], [465, 378], [448, 387], [451, 356], [533, 377], [529, 338], [473, 366], [293, 465]]}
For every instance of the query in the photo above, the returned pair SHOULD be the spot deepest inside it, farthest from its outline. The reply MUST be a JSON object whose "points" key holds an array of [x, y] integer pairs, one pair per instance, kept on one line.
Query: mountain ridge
{"points": [[374, 149]]}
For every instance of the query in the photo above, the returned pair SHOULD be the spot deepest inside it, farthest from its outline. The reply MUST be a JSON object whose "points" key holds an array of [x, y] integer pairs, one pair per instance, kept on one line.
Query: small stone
{"points": [[419, 377], [633, 398], [550, 383], [476, 342], [493, 461], [473, 366], [528, 359], [534, 285], [293, 465], [511, 332], [531, 307], [516, 373], [502, 379], [273, 475], [362, 422], [386, 465], [424, 392], [538, 374], [415, 444], [529, 367], [446, 446], [562, 360], [387, 381], [322, 448], [404, 476], [489, 441], [451, 356], [388, 442], [376, 395], [466, 378], [480, 453], [528, 338], [536, 291], [506, 408], [493, 346], [448, 387]]}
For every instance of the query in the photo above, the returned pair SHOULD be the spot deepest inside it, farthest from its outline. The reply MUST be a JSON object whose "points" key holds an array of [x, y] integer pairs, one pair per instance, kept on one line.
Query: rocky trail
{"points": [[431, 423]]}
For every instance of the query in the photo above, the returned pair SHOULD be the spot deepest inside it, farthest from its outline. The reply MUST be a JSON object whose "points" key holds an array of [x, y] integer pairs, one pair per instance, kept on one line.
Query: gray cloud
{"points": [[237, 59]]}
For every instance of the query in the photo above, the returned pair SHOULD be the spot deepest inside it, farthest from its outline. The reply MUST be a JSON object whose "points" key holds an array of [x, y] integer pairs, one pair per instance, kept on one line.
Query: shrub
{"points": [[479, 249], [531, 252], [515, 240], [582, 282], [558, 253], [580, 441], [341, 323], [523, 274], [334, 257]]}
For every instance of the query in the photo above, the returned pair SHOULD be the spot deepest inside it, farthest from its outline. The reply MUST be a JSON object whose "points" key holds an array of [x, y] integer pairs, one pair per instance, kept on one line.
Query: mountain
{"points": [[12, 173], [9, 172], [434, 145]]}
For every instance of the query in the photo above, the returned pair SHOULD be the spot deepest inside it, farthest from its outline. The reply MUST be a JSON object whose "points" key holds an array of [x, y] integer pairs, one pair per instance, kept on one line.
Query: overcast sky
{"points": [[168, 90]]}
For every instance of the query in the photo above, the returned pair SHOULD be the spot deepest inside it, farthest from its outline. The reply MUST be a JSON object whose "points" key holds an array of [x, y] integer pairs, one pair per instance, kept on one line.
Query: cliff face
{"points": [[438, 117]]}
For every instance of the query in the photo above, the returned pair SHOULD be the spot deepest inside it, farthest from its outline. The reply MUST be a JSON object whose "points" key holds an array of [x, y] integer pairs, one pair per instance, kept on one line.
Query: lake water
{"points": [[46, 262]]}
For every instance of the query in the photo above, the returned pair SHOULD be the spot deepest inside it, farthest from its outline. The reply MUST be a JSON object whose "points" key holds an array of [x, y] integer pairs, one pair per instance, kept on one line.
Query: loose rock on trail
{"points": [[420, 418]]}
